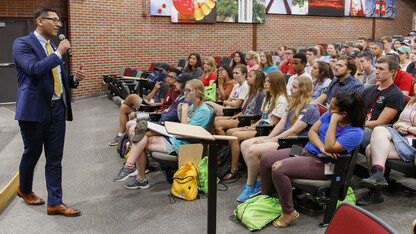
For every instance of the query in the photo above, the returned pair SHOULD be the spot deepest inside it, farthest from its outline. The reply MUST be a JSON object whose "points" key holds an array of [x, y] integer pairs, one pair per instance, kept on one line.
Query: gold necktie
{"points": [[56, 83]]}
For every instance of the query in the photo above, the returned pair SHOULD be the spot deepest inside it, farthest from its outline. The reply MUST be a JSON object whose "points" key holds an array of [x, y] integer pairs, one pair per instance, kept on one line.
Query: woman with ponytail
{"points": [[195, 114], [338, 131], [297, 121]]}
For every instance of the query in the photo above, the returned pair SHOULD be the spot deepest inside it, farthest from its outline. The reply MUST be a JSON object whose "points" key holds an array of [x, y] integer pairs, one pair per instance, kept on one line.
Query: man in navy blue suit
{"points": [[42, 106]]}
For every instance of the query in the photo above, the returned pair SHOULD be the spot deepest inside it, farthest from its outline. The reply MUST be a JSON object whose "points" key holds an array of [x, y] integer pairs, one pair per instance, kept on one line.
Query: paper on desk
{"points": [[158, 128]]}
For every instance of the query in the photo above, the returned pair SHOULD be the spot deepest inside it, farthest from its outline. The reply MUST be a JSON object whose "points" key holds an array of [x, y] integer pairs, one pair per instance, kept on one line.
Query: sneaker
{"points": [[256, 190], [373, 196], [136, 184], [117, 100], [115, 141], [376, 179], [125, 172], [245, 193]]}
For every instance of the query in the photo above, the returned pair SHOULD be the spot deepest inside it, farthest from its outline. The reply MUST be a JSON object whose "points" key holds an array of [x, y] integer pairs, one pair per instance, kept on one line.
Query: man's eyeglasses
{"points": [[54, 20], [187, 91]]}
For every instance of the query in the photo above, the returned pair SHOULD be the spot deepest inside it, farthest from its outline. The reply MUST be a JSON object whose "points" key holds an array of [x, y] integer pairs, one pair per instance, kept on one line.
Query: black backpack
{"points": [[223, 161], [123, 145]]}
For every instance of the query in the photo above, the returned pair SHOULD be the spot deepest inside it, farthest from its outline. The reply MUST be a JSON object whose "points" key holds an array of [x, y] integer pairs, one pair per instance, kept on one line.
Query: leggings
{"points": [[306, 166]]}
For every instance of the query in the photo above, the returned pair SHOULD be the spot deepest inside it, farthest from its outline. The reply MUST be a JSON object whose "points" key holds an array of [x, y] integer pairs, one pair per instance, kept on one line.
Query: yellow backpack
{"points": [[185, 182]]}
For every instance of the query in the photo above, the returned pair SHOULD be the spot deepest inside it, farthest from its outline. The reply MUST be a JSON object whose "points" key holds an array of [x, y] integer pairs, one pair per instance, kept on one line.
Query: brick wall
{"points": [[107, 35]]}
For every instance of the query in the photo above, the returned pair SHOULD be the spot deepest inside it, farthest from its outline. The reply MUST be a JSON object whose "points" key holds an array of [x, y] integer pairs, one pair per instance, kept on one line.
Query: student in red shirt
{"points": [[210, 72], [287, 67]]}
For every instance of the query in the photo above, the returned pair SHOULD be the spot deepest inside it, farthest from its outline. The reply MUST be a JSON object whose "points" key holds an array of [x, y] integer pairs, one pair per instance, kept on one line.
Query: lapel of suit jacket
{"points": [[38, 46]]}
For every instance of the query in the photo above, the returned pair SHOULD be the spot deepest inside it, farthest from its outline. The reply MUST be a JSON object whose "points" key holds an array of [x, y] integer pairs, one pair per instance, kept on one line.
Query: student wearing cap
{"points": [[412, 36], [407, 42], [404, 54], [368, 75], [348, 47], [354, 54], [387, 43]]}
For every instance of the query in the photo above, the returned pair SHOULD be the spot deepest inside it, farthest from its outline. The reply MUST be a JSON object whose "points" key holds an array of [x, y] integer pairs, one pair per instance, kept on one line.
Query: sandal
{"points": [[231, 175], [281, 222]]}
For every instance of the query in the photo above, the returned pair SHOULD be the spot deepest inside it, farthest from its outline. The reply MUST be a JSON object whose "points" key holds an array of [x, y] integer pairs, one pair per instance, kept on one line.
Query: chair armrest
{"points": [[289, 141], [151, 108], [264, 130], [246, 120], [155, 117], [231, 111]]}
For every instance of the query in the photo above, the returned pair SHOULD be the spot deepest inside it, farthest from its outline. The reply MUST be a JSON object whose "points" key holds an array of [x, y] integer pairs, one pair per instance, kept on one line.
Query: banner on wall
{"points": [[287, 7], [251, 11], [355, 7], [160, 7], [388, 9], [327, 7], [194, 11]]}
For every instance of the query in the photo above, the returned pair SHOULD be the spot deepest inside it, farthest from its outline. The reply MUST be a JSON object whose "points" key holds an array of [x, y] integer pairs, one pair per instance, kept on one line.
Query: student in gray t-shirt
{"points": [[369, 73]]}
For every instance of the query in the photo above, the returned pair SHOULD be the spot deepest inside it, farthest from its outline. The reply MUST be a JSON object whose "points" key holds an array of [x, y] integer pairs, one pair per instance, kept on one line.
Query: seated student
{"points": [[368, 75], [281, 58], [403, 80], [322, 75], [384, 101], [238, 58], [299, 64], [164, 94], [194, 66], [251, 105], [343, 80], [404, 54], [411, 68], [301, 115], [239, 92], [274, 108], [266, 62], [287, 66], [311, 54], [321, 54], [338, 131], [169, 114], [377, 48], [332, 49], [333, 61], [252, 60], [225, 83], [196, 114], [210, 72], [388, 143]]}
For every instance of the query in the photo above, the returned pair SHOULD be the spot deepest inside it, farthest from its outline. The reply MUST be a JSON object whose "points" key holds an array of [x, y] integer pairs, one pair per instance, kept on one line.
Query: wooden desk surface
{"points": [[187, 130], [222, 137], [133, 78]]}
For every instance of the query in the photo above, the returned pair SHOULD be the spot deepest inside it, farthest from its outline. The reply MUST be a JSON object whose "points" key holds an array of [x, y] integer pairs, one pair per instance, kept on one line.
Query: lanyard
{"points": [[335, 90], [374, 98], [341, 128], [316, 87]]}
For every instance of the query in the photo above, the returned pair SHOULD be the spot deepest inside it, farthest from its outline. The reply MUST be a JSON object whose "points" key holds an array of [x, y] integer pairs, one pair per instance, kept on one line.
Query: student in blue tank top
{"points": [[339, 130]]}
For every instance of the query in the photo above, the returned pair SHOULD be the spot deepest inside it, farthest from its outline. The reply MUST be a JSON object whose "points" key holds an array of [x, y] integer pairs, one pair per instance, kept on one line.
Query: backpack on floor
{"points": [[223, 161], [203, 175], [123, 145], [184, 184], [257, 212]]}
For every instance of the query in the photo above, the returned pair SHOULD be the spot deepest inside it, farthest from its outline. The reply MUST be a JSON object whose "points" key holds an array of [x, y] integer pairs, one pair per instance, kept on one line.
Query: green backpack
{"points": [[258, 211], [202, 179], [211, 92], [350, 198]]}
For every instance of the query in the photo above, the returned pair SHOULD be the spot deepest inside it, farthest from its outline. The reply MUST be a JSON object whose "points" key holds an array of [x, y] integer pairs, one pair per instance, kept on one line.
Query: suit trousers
{"points": [[51, 135]]}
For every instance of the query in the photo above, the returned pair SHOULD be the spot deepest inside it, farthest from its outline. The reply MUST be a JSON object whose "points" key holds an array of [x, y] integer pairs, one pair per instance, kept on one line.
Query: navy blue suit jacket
{"points": [[35, 80]]}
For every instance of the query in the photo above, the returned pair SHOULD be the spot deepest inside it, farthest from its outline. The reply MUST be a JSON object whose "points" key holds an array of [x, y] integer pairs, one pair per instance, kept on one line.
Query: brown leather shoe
{"points": [[30, 198], [62, 209]]}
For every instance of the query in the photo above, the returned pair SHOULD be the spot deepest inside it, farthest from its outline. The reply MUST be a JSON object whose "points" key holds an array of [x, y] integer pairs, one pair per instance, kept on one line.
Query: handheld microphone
{"points": [[62, 37]]}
